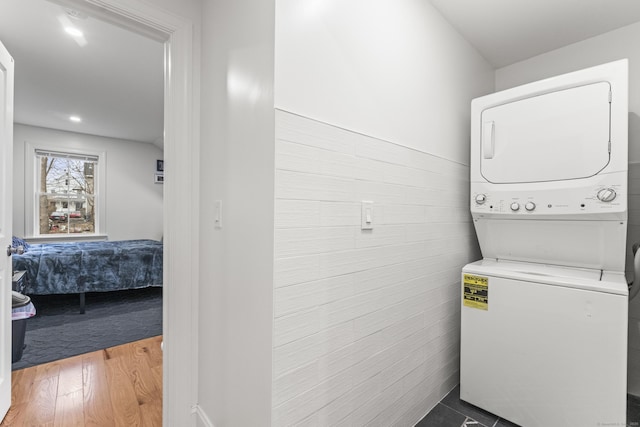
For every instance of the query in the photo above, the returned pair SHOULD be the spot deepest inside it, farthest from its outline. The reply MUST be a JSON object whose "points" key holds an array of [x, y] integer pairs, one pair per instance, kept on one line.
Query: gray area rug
{"points": [[112, 318]]}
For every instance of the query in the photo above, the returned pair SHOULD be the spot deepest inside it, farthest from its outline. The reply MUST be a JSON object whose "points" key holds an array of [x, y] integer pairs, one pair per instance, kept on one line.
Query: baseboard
{"points": [[202, 419]]}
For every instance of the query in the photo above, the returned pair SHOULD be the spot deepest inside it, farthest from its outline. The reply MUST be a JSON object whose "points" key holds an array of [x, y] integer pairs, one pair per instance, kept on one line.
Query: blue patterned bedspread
{"points": [[69, 268]]}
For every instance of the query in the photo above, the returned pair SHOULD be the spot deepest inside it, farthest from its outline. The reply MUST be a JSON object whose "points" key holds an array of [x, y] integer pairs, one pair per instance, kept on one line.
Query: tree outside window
{"points": [[66, 194]]}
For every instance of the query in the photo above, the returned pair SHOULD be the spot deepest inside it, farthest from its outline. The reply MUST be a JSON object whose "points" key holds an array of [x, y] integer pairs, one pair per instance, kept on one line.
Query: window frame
{"points": [[31, 168]]}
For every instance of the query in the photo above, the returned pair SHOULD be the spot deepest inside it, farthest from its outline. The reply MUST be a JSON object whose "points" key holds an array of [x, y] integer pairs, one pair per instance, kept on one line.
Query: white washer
{"points": [[549, 347], [544, 314]]}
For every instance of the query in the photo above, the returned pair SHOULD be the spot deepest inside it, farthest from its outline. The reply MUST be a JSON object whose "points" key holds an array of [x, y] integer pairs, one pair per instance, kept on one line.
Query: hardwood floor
{"points": [[118, 386]]}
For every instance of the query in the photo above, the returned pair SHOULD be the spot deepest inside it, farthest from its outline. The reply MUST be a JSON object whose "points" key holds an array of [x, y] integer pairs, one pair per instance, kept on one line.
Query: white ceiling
{"points": [[114, 82], [508, 31]]}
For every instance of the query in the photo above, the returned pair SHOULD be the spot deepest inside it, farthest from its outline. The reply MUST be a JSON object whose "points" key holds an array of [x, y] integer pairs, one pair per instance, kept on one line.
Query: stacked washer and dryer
{"points": [[544, 313]]}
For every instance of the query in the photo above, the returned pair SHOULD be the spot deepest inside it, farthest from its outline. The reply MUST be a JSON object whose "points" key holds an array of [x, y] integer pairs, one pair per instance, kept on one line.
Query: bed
{"points": [[80, 267]]}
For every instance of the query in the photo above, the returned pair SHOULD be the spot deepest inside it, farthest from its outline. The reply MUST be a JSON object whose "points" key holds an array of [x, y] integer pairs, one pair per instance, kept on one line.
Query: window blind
{"points": [[72, 156]]}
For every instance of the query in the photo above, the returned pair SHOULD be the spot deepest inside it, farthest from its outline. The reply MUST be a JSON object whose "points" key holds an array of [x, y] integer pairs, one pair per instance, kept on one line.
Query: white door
{"points": [[6, 161]]}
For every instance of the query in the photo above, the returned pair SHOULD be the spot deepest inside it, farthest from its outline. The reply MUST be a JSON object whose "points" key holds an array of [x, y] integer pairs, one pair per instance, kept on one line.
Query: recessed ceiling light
{"points": [[73, 31], [75, 119]]}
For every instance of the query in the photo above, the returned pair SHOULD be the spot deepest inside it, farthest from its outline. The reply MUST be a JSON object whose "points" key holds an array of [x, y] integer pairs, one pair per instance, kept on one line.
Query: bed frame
{"points": [[80, 267]]}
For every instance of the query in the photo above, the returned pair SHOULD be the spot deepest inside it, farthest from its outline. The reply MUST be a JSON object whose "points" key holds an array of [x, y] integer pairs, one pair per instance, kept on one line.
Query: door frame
{"points": [[181, 195]]}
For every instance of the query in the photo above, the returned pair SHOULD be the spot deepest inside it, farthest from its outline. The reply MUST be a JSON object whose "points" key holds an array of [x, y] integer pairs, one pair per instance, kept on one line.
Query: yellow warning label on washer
{"points": [[475, 292]]}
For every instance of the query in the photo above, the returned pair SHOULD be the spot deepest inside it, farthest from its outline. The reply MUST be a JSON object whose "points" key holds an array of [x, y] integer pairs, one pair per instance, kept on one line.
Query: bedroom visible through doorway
{"points": [[95, 100]]}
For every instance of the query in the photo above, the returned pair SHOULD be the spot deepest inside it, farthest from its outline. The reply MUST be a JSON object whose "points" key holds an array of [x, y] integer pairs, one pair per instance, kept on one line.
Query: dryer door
{"points": [[555, 136]]}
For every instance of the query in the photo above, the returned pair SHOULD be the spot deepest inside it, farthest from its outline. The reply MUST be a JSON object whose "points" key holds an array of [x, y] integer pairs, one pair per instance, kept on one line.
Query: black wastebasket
{"points": [[21, 310]]}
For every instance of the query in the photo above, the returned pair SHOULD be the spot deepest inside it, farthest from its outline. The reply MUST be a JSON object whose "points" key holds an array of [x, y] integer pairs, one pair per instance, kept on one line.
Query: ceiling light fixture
{"points": [[75, 119], [73, 31]]}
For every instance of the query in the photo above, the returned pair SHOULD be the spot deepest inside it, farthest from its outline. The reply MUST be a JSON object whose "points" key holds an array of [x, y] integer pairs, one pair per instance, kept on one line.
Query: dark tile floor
{"points": [[453, 412]]}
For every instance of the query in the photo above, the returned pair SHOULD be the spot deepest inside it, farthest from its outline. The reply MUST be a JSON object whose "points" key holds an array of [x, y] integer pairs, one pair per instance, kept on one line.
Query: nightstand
{"points": [[19, 280]]}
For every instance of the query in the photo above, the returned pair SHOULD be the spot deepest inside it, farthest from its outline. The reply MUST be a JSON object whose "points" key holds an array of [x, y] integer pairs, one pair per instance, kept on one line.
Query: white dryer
{"points": [[544, 314]]}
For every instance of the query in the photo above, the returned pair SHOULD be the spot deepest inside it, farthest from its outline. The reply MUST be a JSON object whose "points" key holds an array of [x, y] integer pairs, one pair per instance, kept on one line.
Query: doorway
{"points": [[180, 189]]}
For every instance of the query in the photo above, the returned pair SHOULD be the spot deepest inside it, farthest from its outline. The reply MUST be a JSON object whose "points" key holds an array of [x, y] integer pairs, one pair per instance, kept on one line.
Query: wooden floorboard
{"points": [[118, 386], [98, 410]]}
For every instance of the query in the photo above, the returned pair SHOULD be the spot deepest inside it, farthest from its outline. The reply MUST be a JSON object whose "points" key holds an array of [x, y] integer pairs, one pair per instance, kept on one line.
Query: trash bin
{"points": [[21, 309]]}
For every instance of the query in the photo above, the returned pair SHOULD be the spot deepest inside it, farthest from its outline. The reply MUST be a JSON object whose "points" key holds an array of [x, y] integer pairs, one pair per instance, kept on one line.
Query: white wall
{"points": [[373, 103], [617, 44], [237, 163], [395, 70], [134, 201], [366, 322]]}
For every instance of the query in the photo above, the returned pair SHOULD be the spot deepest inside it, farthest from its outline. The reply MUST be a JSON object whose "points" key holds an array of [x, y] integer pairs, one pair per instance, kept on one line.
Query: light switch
{"points": [[367, 215]]}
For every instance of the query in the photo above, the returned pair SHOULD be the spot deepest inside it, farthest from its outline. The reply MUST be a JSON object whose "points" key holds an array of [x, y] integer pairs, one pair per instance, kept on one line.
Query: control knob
{"points": [[530, 206], [515, 206], [606, 195], [480, 199]]}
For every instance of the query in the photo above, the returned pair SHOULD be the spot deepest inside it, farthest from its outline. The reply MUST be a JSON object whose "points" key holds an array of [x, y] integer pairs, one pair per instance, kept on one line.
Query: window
{"points": [[66, 199]]}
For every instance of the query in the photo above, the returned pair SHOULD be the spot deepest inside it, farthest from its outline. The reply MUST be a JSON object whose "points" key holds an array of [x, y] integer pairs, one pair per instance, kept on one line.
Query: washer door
{"points": [[555, 136]]}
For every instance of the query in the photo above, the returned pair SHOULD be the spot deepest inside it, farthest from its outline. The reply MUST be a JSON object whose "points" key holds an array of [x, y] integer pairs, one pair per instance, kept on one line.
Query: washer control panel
{"points": [[493, 199]]}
